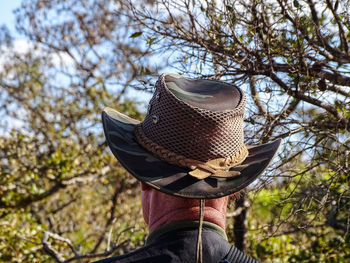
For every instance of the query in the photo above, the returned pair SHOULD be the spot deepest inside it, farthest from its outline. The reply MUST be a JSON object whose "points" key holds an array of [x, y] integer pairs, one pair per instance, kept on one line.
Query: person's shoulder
{"points": [[145, 254], [237, 256]]}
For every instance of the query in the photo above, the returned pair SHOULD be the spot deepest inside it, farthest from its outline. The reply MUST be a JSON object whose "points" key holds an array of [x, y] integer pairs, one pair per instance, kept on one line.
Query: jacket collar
{"points": [[177, 225]]}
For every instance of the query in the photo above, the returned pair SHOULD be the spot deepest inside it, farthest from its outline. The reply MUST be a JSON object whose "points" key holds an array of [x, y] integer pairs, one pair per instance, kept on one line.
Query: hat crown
{"points": [[198, 119], [203, 93]]}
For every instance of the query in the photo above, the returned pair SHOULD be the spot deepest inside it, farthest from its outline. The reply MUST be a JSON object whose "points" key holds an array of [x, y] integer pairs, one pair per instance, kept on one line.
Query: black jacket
{"points": [[180, 246]]}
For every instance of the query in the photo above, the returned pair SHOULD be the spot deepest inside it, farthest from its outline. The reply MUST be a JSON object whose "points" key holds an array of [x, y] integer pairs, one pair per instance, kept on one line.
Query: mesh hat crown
{"points": [[196, 124], [191, 142]]}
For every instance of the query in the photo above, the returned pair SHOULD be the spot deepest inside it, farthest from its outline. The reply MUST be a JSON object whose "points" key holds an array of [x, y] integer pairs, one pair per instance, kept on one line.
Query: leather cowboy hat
{"points": [[191, 142]]}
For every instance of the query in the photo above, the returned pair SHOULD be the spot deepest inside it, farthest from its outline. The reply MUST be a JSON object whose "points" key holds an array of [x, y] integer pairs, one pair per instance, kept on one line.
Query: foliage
{"points": [[63, 196], [54, 163], [282, 233], [292, 58]]}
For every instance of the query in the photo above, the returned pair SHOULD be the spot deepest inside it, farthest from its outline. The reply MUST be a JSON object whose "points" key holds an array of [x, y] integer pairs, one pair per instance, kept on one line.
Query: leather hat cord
{"points": [[199, 252]]}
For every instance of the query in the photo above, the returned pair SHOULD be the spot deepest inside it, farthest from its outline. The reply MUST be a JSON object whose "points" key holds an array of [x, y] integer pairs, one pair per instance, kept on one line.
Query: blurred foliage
{"points": [[283, 229], [64, 197], [61, 191]]}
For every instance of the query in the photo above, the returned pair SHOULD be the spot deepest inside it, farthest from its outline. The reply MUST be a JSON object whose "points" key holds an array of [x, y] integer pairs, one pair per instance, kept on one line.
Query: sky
{"points": [[6, 13]]}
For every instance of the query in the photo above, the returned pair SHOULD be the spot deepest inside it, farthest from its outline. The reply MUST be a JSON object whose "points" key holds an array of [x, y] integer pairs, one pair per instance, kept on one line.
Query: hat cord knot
{"points": [[218, 167]]}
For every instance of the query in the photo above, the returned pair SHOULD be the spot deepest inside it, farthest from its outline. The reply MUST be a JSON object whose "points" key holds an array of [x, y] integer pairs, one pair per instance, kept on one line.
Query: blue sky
{"points": [[6, 13]]}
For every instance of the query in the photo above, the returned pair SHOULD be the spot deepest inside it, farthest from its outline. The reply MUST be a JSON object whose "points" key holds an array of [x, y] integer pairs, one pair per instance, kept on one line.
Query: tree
{"points": [[293, 59], [61, 196], [54, 164]]}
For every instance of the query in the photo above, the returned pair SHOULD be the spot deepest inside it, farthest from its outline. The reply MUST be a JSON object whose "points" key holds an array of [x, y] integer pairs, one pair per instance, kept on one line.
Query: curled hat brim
{"points": [[175, 180]]}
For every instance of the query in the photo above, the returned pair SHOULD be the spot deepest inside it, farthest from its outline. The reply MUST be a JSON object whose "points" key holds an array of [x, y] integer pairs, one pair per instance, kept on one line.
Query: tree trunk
{"points": [[240, 226]]}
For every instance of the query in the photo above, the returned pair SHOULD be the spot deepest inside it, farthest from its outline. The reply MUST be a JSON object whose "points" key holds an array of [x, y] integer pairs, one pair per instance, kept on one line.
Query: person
{"points": [[190, 156]]}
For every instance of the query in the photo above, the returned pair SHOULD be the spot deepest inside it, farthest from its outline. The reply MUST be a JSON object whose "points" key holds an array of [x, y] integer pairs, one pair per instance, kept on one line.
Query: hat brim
{"points": [[172, 179]]}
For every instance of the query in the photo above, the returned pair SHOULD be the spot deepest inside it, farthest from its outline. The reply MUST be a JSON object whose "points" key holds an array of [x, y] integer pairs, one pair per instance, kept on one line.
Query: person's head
{"points": [[159, 208]]}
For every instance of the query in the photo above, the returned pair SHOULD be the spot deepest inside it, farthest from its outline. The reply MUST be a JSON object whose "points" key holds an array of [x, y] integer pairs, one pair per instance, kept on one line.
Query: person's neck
{"points": [[160, 209], [211, 215]]}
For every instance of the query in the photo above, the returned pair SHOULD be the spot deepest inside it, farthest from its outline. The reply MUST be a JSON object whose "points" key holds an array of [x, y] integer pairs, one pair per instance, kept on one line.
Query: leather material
{"points": [[180, 246]]}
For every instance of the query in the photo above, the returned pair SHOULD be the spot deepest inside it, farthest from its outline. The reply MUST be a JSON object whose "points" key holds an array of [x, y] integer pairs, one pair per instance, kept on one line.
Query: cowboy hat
{"points": [[191, 142]]}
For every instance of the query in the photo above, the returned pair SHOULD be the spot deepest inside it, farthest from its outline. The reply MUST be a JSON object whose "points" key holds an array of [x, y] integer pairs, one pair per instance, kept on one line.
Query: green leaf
{"points": [[296, 3], [150, 41], [136, 34]]}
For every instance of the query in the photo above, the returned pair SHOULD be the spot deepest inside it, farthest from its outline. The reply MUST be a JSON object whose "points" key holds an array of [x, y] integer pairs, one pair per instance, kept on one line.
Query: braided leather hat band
{"points": [[218, 167]]}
